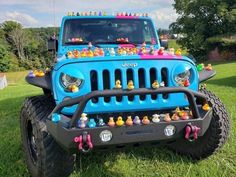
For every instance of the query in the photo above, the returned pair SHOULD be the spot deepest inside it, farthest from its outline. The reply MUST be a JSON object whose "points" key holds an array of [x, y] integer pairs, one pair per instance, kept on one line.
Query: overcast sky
{"points": [[33, 13]]}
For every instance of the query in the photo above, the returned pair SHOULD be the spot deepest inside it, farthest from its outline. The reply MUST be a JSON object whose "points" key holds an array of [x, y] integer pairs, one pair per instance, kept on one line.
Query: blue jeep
{"points": [[114, 85]]}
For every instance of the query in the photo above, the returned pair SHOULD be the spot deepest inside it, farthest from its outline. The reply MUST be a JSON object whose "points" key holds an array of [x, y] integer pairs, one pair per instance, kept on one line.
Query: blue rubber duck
{"points": [[101, 122], [91, 123]]}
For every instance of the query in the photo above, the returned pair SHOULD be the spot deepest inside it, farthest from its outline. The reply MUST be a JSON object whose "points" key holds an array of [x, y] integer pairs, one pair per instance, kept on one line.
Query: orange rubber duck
{"points": [[129, 121], [111, 122], [145, 120]]}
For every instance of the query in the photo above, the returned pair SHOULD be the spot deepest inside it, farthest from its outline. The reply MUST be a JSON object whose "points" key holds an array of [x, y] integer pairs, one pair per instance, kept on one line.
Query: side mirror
{"points": [[164, 43], [52, 45]]}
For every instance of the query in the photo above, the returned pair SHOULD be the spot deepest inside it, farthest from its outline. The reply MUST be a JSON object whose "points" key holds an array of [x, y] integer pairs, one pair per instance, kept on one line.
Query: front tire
{"points": [[44, 157], [214, 138]]}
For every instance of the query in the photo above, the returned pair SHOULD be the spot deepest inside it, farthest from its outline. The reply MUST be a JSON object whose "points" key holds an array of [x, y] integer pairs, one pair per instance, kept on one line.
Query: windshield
{"points": [[108, 31]]}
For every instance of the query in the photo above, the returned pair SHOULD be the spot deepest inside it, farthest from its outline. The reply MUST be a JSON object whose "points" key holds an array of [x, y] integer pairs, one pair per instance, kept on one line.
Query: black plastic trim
{"points": [[205, 75], [82, 100], [44, 82]]}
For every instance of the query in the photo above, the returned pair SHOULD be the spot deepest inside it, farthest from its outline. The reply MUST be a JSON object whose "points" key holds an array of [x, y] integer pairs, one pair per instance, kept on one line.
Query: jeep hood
{"points": [[120, 58]]}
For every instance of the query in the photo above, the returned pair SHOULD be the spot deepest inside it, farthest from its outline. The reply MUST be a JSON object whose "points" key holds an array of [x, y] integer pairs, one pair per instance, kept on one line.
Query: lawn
{"points": [[153, 161]]}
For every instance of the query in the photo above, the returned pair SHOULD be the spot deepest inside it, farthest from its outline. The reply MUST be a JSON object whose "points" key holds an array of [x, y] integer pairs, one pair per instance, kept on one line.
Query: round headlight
{"points": [[180, 78], [68, 80]]}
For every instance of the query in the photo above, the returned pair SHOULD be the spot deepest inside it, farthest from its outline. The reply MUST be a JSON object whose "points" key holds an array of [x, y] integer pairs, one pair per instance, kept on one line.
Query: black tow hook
{"points": [[84, 142], [191, 132]]}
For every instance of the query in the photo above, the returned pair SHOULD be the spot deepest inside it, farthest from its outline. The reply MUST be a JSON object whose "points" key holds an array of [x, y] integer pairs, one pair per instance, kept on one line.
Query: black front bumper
{"points": [[65, 135]]}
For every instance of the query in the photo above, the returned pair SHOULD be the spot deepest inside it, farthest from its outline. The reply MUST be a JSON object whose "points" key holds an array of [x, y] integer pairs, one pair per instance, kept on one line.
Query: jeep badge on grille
{"points": [[132, 65]]}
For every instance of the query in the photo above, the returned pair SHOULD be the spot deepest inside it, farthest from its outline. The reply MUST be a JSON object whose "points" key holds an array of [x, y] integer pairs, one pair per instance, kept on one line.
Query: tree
{"points": [[19, 40], [201, 19]]}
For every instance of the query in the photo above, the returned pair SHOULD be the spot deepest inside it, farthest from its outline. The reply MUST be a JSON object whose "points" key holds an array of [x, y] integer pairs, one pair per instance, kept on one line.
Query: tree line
{"points": [[24, 48]]}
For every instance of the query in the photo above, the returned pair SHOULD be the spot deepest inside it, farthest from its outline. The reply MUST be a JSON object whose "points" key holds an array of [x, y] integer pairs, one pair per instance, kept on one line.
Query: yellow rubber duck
{"points": [[90, 53], [175, 117], [178, 52], [111, 122], [206, 107], [145, 120], [118, 84], [39, 73], [83, 53], [70, 54], [119, 121], [73, 88], [129, 121], [130, 85], [155, 85], [76, 53]]}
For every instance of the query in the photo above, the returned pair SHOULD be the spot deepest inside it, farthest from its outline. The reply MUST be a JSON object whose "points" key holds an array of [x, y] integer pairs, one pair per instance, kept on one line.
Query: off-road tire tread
{"points": [[53, 161], [214, 138]]}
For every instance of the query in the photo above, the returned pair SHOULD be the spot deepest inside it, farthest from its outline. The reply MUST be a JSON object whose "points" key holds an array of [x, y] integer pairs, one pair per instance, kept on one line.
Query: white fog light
{"points": [[106, 135], [169, 130]]}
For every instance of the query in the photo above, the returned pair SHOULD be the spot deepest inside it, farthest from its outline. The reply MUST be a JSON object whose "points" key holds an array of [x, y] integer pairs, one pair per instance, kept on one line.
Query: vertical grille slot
{"points": [[130, 76], [164, 78], [94, 83], [106, 83], [118, 77], [153, 77], [141, 77]]}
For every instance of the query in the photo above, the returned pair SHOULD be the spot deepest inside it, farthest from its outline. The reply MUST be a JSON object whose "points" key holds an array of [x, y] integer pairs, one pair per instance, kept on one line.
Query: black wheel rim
{"points": [[31, 143]]}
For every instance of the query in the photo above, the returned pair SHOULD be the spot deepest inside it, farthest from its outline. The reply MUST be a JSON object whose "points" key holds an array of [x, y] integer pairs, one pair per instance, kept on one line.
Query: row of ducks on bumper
{"points": [[156, 118]]}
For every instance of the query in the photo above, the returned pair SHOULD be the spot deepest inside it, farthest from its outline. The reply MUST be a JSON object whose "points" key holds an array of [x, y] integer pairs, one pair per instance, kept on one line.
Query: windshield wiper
{"points": [[76, 43]]}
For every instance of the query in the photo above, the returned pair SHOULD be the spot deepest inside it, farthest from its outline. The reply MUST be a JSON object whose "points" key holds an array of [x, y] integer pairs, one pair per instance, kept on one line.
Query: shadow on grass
{"points": [[106, 161], [228, 81], [96, 163]]}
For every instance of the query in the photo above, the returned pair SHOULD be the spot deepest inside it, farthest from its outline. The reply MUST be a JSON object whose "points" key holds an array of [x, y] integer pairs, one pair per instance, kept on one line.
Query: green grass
{"points": [[136, 162]]}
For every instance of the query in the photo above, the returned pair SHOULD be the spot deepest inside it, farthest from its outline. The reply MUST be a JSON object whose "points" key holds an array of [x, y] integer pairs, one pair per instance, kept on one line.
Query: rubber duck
{"points": [[101, 52], [31, 74], [112, 52], [186, 83], [155, 84], [83, 53], [118, 84], [76, 53], [90, 53], [178, 52], [73, 88], [145, 120], [155, 118], [177, 110], [84, 118], [206, 107], [162, 84], [129, 121], [167, 117], [101, 122], [175, 117], [69, 55], [96, 52], [56, 117], [162, 116], [47, 70], [199, 67], [172, 51], [136, 120], [40, 73], [161, 51], [111, 122], [91, 123], [208, 67], [130, 85], [81, 124], [184, 115], [90, 45], [151, 51], [119, 121]]}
